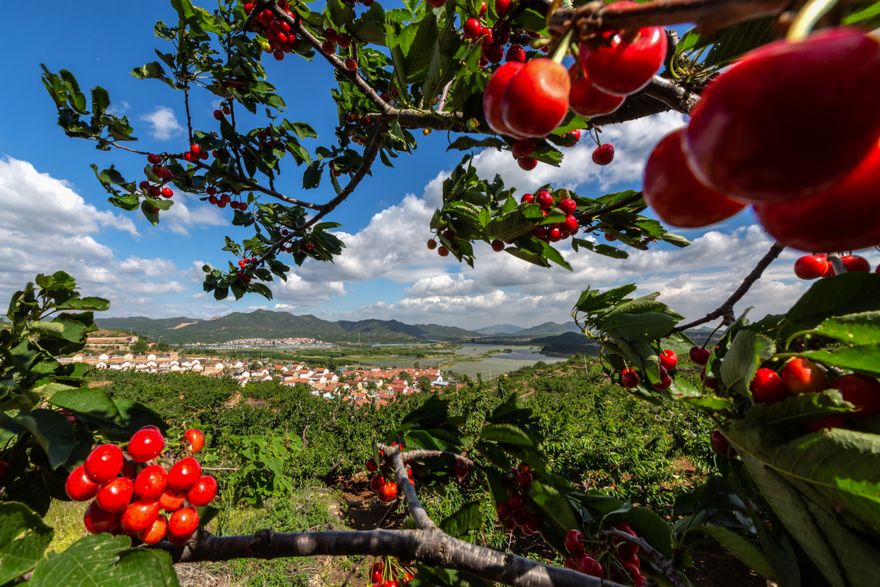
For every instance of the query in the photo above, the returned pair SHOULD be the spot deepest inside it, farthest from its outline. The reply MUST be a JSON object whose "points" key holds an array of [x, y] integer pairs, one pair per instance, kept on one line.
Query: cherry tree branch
{"points": [[668, 566], [423, 521], [726, 309], [433, 548], [424, 454], [247, 183]]}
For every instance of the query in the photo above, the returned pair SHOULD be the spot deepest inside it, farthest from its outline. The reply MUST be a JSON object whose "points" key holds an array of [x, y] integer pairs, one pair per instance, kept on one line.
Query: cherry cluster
{"points": [[815, 266], [515, 510], [279, 38], [530, 100], [493, 40], [163, 173], [344, 41], [620, 557], [629, 378], [130, 490], [386, 490], [750, 141], [388, 573]]}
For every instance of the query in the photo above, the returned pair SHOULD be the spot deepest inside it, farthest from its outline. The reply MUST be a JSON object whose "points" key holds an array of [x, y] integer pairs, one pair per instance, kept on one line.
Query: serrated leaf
{"points": [[741, 548], [554, 505], [646, 523], [746, 353], [468, 517], [864, 358], [93, 403], [849, 293], [52, 431], [638, 327], [862, 328], [466, 143], [508, 433], [800, 408], [23, 540]]}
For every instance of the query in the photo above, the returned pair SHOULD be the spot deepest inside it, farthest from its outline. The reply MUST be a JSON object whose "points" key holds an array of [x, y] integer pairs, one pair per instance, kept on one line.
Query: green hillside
{"points": [[546, 329]]}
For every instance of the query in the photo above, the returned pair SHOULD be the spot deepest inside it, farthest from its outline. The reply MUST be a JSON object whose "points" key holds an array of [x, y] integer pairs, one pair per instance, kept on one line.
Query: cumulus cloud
{"points": [[188, 212], [163, 122]]}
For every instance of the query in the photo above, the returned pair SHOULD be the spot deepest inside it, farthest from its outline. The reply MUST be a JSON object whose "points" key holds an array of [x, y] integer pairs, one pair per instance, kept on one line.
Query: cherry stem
{"points": [[839, 267], [807, 18], [562, 48]]}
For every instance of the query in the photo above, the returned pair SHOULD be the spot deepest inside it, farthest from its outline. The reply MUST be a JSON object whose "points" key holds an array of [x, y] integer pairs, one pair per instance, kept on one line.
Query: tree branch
{"points": [[424, 454], [433, 548], [423, 521], [672, 94], [257, 187], [668, 566], [726, 309]]}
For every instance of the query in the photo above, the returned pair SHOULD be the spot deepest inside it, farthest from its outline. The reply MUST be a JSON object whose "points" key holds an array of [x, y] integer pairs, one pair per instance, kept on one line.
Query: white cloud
{"points": [[189, 212], [164, 123], [119, 108]]}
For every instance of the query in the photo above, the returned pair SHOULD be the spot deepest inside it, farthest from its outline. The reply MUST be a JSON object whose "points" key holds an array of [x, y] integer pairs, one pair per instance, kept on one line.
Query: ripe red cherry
{"points": [[629, 378], [79, 487], [501, 7], [804, 376], [502, 510], [389, 491], [811, 266], [442, 251], [535, 100], [567, 205], [573, 542], [721, 445], [492, 99], [855, 264], [328, 47], [589, 566], [139, 516], [493, 53], [825, 222], [768, 387], [155, 532], [218, 115], [170, 500], [97, 520], [114, 495], [826, 423], [665, 380], [461, 469], [377, 482], [748, 136], [184, 521], [145, 445], [151, 483], [587, 100], [371, 464], [544, 199], [861, 391], [202, 492], [574, 136], [343, 40], [432, 244], [497, 245], [104, 463], [527, 163], [527, 198], [699, 355], [675, 195], [515, 503], [668, 359], [525, 479], [278, 55], [436, 3], [516, 53], [626, 549], [196, 439], [472, 28], [571, 224], [167, 192], [350, 64], [523, 147], [196, 150], [154, 159], [184, 474], [625, 61], [603, 155]]}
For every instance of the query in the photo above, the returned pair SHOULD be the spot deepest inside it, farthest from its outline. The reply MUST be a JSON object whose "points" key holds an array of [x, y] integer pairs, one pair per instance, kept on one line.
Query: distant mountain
{"points": [[500, 329], [547, 328], [268, 324]]}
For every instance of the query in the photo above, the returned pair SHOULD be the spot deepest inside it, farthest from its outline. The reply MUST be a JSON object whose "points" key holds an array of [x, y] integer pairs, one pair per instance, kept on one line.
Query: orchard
{"points": [[781, 101]]}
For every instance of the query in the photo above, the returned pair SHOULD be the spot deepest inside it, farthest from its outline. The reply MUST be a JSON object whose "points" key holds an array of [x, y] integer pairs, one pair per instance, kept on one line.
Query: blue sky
{"points": [[56, 215]]}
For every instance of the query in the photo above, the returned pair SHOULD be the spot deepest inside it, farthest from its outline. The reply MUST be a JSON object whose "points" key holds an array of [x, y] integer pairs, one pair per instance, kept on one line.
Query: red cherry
{"points": [[567, 205], [139, 516], [527, 198], [527, 163], [493, 53], [855, 264], [389, 491], [629, 378], [665, 379], [154, 191], [699, 355], [497, 245], [278, 55], [377, 482], [482, 8], [330, 34], [516, 54], [748, 136], [156, 531], [521, 518], [150, 483], [510, 526], [721, 445], [826, 423], [167, 192], [184, 521], [328, 47], [225, 198], [502, 510], [625, 61], [472, 28], [104, 463], [310, 245], [442, 251], [544, 199], [811, 266], [184, 474], [668, 359], [78, 486], [461, 469], [196, 439], [154, 159], [97, 520], [675, 195], [114, 495], [523, 147], [145, 445], [501, 7], [170, 500], [603, 155], [525, 479], [515, 503], [248, 8], [574, 136], [573, 542], [861, 391], [492, 98], [804, 376], [589, 566], [768, 387], [571, 224], [195, 150], [343, 40], [202, 492], [213, 200], [350, 64], [711, 382], [218, 115], [179, 540], [535, 100], [570, 563], [587, 100]]}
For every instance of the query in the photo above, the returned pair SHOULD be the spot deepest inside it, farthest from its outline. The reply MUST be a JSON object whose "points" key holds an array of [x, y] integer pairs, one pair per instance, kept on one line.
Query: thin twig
{"points": [[248, 184], [189, 126], [726, 309]]}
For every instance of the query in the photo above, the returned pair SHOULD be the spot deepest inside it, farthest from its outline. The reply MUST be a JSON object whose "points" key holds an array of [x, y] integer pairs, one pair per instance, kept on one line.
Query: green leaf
{"points": [[466, 143], [462, 521], [638, 327], [107, 561], [743, 358], [800, 408], [849, 293], [864, 358], [862, 328], [23, 540], [150, 70], [593, 301], [646, 523], [52, 431], [554, 505], [90, 402], [508, 433], [741, 548]]}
